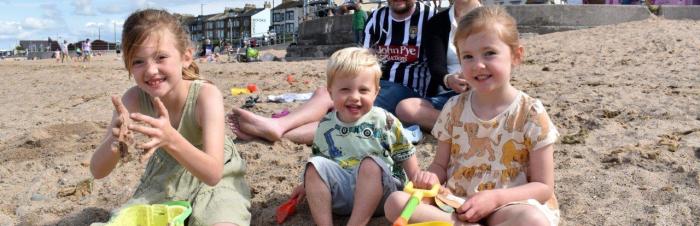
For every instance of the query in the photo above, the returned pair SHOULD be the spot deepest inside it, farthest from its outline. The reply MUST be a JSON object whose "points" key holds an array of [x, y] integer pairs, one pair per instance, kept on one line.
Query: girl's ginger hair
{"points": [[145, 23], [350, 61], [490, 18]]}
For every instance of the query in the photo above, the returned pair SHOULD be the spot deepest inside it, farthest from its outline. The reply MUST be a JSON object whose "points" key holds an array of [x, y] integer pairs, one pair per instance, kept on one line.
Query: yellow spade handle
{"points": [[420, 193]]}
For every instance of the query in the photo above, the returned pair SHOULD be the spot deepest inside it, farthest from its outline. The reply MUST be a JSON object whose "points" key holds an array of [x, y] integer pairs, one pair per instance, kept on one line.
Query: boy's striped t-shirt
{"points": [[397, 43]]}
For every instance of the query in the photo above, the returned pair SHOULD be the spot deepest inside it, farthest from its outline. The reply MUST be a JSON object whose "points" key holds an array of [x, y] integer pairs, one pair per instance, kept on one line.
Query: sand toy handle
{"points": [[416, 196]]}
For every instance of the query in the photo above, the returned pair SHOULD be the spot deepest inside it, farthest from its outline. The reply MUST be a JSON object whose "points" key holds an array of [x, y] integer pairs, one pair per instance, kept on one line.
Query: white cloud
{"points": [[83, 7], [118, 22], [51, 11], [112, 9], [93, 24], [36, 23], [10, 28]]}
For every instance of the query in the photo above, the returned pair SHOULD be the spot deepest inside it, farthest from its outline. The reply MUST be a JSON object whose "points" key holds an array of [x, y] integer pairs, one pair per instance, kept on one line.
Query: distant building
{"points": [[232, 24], [36, 45], [287, 16]]}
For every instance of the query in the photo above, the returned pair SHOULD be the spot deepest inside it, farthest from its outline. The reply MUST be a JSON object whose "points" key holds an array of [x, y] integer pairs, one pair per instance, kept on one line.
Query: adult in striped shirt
{"points": [[394, 32]]}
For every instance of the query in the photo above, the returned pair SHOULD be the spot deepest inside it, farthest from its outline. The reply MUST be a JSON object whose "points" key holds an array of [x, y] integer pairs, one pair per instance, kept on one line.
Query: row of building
{"points": [[232, 25]]}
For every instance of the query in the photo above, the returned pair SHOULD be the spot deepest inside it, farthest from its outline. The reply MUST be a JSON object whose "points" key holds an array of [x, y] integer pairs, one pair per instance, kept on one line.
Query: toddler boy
{"points": [[360, 154]]}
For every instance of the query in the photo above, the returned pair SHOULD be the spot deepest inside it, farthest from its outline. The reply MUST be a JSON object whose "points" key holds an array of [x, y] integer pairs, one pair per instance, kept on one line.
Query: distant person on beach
{"points": [[65, 56], [207, 49], [404, 75], [495, 143], [359, 18], [79, 53], [189, 157], [87, 50], [359, 154]]}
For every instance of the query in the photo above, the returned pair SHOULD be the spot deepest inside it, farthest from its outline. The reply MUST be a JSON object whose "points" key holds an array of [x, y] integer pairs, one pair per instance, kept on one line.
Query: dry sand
{"points": [[626, 99]]}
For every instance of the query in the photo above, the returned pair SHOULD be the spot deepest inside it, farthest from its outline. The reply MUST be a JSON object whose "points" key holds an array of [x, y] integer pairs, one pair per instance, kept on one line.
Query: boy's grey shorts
{"points": [[341, 183]]}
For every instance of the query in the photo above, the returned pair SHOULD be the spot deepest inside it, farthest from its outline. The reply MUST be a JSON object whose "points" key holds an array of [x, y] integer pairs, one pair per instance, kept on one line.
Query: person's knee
{"points": [[532, 217], [369, 168], [406, 110], [394, 204]]}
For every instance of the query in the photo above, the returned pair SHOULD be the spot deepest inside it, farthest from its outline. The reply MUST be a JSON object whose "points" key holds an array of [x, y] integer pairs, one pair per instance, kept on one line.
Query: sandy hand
{"points": [[125, 137]]}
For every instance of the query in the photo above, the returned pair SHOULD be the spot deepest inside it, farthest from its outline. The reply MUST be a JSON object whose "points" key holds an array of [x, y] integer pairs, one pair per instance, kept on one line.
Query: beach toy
{"points": [[416, 196], [170, 213], [235, 91], [281, 114], [449, 200], [290, 79], [287, 209], [252, 87]]}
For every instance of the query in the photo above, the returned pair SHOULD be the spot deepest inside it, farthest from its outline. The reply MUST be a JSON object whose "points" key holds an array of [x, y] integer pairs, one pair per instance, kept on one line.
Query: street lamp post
{"points": [[230, 31]]}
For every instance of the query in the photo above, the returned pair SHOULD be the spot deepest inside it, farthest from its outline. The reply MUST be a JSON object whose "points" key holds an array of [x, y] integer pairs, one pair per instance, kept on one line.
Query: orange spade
{"points": [[287, 209]]}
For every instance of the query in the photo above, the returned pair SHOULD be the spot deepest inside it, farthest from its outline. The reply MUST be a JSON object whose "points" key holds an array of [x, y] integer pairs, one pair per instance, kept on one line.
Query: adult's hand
{"points": [[456, 83]]}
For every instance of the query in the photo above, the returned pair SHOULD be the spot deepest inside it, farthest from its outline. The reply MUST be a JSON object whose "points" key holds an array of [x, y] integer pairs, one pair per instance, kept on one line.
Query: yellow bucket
{"points": [[170, 213]]}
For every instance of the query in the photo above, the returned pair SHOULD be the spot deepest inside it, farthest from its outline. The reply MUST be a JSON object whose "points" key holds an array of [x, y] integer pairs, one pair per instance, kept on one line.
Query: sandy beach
{"points": [[625, 98]]}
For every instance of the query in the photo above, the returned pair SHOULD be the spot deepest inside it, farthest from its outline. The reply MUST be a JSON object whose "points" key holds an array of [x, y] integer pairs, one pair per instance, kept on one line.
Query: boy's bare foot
{"points": [[252, 125]]}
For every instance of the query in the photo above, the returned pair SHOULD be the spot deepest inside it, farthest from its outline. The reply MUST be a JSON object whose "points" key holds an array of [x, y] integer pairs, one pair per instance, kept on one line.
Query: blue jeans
{"points": [[392, 93], [442, 98], [358, 36]]}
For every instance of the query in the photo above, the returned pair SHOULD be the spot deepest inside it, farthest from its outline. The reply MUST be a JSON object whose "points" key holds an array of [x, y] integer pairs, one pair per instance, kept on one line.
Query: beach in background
{"points": [[625, 98]]}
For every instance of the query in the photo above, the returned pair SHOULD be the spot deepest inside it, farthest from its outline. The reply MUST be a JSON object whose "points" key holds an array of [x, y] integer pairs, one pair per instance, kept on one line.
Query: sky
{"points": [[75, 20]]}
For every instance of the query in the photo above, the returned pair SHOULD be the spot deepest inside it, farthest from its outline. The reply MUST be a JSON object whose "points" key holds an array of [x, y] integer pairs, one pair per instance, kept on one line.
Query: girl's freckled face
{"points": [[157, 64]]}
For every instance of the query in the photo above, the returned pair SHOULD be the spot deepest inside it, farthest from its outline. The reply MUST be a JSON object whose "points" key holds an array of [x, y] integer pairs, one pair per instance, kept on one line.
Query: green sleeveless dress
{"points": [[166, 180]]}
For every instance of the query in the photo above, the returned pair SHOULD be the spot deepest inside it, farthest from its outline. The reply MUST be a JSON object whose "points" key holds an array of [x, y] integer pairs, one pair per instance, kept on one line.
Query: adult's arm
{"points": [[435, 44], [370, 35]]}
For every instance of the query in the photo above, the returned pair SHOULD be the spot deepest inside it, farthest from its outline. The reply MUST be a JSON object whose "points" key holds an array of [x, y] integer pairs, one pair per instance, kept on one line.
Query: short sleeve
{"points": [[540, 129], [442, 130], [399, 146]]}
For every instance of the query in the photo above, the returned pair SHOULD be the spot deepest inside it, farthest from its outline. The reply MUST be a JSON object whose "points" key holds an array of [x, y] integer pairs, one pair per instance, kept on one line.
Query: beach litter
{"points": [[289, 97], [250, 101]]}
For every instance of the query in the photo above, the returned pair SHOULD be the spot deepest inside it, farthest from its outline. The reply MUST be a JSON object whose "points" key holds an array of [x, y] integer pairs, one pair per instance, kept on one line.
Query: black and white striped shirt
{"points": [[398, 43]]}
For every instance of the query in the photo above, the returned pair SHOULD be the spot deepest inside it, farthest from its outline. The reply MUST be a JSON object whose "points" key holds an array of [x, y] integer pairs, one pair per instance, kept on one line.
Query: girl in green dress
{"points": [[189, 157]]}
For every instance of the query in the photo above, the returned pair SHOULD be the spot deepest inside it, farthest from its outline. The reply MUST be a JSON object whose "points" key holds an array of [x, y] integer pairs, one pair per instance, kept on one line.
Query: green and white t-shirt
{"points": [[378, 133]]}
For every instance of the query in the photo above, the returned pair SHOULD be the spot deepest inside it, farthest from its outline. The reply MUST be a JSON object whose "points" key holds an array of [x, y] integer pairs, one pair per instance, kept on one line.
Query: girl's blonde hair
{"points": [[350, 61], [491, 18], [145, 23]]}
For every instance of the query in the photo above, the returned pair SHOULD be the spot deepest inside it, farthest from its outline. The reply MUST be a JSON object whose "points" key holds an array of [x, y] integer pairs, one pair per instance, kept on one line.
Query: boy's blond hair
{"points": [[350, 61]]}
